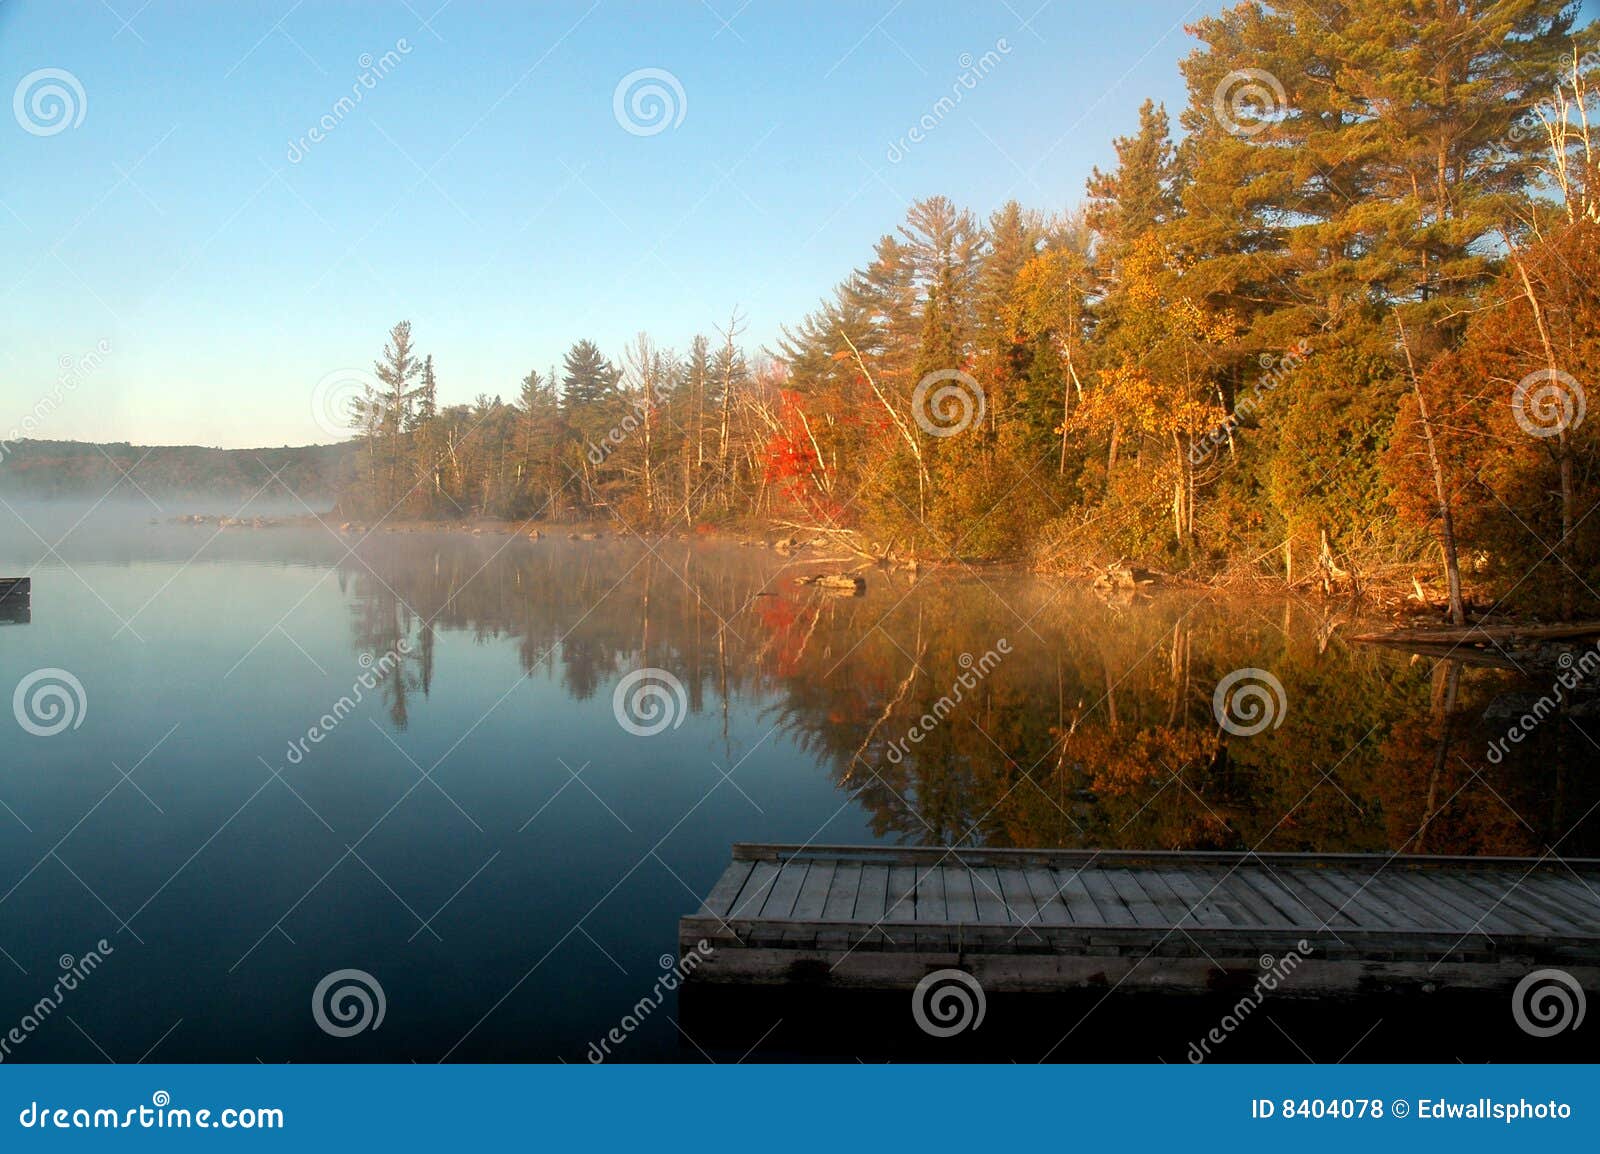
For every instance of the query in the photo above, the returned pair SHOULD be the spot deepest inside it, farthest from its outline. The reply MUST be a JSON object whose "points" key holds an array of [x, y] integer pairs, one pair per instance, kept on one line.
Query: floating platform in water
{"points": [[15, 593], [885, 917]]}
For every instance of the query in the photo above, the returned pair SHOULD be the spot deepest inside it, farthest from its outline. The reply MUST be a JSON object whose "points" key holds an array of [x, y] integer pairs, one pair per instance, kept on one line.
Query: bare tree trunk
{"points": [[1066, 406], [1563, 449], [1447, 528]]}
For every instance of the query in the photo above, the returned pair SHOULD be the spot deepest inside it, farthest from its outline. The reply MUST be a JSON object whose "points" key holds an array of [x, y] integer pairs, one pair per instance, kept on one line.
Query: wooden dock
{"points": [[885, 917]]}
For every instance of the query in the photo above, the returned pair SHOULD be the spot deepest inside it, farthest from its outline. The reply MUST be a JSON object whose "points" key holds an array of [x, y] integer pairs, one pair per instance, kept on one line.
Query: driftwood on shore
{"points": [[851, 539], [852, 584], [1484, 634], [1515, 647], [222, 522], [1124, 576]]}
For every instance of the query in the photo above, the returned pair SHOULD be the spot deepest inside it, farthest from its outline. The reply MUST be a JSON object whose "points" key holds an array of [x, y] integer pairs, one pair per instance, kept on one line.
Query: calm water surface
{"points": [[482, 834]]}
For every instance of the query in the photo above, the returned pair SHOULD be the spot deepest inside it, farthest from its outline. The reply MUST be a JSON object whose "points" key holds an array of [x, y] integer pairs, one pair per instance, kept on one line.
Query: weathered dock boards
{"points": [[1043, 919]]}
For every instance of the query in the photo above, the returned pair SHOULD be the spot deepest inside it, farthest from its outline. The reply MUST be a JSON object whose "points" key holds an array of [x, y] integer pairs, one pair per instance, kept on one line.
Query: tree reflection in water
{"points": [[1096, 730]]}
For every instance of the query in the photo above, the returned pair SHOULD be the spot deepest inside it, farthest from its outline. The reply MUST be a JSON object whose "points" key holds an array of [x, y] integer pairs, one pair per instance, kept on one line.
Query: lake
{"points": [[493, 772]]}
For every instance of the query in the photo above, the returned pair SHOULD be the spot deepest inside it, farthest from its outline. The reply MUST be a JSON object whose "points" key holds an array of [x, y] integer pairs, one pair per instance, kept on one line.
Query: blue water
{"points": [[482, 836]]}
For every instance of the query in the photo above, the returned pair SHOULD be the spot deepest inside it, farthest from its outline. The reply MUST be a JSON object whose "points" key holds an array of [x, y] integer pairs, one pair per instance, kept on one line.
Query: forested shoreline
{"points": [[51, 470], [1333, 327]]}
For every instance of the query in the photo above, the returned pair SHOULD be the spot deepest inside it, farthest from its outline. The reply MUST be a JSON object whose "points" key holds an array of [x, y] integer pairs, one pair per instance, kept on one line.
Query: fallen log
{"points": [[1484, 634]]}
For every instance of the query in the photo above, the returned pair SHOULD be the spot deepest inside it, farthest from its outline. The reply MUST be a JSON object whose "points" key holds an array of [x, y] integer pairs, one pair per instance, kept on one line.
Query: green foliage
{"points": [[1332, 426]]}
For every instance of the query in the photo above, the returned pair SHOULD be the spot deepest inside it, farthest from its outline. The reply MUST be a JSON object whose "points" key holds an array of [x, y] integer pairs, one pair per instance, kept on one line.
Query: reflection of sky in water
{"points": [[510, 830]]}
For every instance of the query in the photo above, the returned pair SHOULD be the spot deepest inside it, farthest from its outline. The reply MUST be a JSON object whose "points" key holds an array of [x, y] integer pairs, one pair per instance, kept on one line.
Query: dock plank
{"points": [[1290, 908], [1145, 911], [871, 898], [1473, 909], [1298, 884], [991, 900], [1052, 909], [720, 900], [756, 888], [1579, 896], [785, 891], [960, 902], [1080, 905], [931, 905], [813, 896], [1203, 909], [1235, 889], [1333, 904], [1019, 897], [1407, 910], [901, 900], [1354, 902], [1375, 909], [1113, 910], [842, 891], [1524, 901]]}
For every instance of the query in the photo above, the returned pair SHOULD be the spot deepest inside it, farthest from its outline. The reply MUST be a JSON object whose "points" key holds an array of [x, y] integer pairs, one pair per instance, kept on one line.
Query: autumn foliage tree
{"points": [[1200, 368]]}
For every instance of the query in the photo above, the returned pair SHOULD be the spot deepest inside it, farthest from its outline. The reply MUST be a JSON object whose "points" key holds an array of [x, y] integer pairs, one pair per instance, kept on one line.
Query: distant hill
{"points": [[76, 468]]}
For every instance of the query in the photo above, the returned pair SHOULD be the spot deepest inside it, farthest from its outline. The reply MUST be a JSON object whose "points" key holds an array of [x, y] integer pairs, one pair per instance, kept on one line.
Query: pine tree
{"points": [[388, 417], [588, 379], [1142, 193]]}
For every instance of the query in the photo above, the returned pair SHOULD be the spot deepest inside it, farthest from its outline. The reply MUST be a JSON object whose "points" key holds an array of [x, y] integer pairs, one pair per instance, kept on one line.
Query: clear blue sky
{"points": [[484, 188]]}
